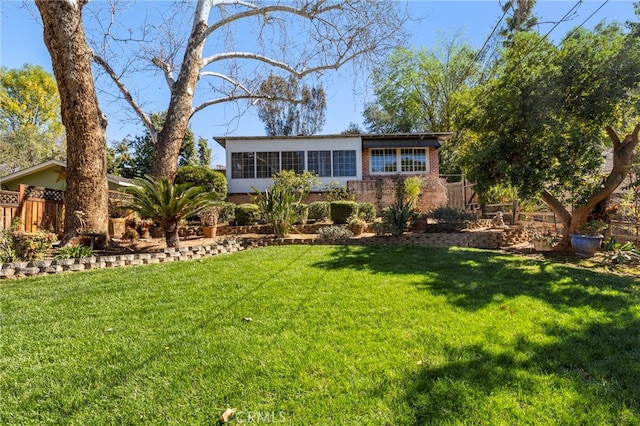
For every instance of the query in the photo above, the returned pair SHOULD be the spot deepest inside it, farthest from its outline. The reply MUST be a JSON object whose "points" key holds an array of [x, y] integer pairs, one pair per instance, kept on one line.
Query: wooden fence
{"points": [[37, 208], [462, 195]]}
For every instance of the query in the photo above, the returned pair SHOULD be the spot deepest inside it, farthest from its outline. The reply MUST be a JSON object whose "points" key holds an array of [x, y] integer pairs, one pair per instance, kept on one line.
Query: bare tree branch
{"points": [[127, 96]]}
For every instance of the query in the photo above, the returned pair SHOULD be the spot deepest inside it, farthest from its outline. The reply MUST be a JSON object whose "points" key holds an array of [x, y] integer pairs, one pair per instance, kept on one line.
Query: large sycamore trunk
{"points": [[71, 57], [623, 151]]}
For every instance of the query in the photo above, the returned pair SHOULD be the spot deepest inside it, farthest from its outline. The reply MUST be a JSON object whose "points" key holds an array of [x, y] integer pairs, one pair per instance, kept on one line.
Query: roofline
{"points": [[118, 180], [440, 136]]}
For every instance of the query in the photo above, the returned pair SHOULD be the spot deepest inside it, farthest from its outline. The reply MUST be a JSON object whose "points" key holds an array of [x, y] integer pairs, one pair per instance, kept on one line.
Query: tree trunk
{"points": [[167, 148], [622, 160], [171, 236], [85, 125]]}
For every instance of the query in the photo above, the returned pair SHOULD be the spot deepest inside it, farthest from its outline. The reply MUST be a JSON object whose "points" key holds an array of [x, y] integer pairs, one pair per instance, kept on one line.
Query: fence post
{"points": [[21, 213]]}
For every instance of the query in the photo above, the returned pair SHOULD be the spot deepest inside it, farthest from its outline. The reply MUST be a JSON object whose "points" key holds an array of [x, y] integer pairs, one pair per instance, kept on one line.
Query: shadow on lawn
{"points": [[472, 279], [586, 377], [586, 372]]}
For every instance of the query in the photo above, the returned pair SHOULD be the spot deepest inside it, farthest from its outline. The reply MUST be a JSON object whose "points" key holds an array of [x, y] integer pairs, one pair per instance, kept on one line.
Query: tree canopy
{"points": [[540, 124], [30, 126]]}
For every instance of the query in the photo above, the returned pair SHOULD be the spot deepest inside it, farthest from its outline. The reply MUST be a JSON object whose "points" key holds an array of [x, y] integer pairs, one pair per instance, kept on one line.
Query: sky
{"points": [[21, 42]]}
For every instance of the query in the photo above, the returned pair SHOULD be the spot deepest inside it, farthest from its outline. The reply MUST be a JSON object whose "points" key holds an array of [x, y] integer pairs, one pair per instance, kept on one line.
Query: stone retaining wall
{"points": [[489, 239], [54, 266]]}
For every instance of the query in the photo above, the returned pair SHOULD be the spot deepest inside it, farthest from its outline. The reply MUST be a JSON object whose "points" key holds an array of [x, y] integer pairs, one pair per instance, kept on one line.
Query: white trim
{"points": [[399, 162]]}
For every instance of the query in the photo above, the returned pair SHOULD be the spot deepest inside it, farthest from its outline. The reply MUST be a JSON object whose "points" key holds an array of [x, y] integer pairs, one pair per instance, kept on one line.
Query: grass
{"points": [[336, 336]]}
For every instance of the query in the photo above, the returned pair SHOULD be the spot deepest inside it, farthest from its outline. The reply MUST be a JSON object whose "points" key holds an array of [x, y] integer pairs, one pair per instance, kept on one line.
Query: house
{"points": [[367, 164], [35, 195]]}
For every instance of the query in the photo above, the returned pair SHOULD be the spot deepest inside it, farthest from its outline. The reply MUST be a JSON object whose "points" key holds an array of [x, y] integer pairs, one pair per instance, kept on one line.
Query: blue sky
{"points": [[21, 42]]}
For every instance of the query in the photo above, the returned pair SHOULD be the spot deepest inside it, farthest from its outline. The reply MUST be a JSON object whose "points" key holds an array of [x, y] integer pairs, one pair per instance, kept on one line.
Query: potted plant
{"points": [[209, 220], [117, 220], [542, 240], [588, 238]]}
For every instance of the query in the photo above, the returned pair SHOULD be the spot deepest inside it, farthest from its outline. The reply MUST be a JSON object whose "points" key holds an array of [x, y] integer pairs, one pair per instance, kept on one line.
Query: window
{"points": [[399, 160], [344, 163], [320, 163], [267, 164], [413, 159], [243, 165], [293, 160], [384, 161]]}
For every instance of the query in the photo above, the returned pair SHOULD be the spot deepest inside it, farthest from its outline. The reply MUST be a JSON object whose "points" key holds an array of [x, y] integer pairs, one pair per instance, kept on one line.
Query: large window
{"points": [[243, 165], [413, 159], [293, 160], [344, 163], [384, 161], [399, 160], [320, 163], [267, 164], [263, 165]]}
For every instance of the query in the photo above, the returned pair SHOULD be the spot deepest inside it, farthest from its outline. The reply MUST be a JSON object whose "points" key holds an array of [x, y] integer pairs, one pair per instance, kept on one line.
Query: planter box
{"points": [[542, 245], [117, 227]]}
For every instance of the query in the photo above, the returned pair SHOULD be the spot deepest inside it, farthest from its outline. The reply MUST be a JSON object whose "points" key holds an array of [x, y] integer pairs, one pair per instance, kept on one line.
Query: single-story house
{"points": [[366, 164], [35, 195], [51, 175]]}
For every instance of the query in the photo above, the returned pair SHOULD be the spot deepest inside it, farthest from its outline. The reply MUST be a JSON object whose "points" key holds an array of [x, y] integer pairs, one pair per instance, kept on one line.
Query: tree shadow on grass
{"points": [[472, 279], [588, 377], [583, 371]]}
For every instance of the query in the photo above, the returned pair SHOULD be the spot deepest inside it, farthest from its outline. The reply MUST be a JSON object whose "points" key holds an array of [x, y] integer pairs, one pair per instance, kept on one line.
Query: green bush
{"points": [[32, 245], [342, 210], [247, 214], [319, 210], [74, 252], [227, 211], [7, 249], [203, 176], [367, 211], [450, 215], [334, 232]]}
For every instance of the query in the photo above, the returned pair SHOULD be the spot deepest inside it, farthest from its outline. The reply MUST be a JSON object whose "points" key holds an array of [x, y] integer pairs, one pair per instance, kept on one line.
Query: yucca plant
{"points": [[280, 206], [168, 203]]}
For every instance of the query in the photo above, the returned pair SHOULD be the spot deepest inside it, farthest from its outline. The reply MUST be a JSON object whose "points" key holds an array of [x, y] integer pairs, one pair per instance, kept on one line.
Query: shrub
{"points": [[338, 192], [367, 211], [7, 249], [74, 252], [334, 232], [247, 214], [32, 245], [342, 210], [412, 187], [319, 210], [397, 216], [212, 180], [227, 211], [450, 215], [280, 207], [130, 234]]}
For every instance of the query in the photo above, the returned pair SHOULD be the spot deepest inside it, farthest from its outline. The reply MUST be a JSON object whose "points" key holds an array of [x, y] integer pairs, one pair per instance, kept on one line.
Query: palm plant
{"points": [[168, 203]]}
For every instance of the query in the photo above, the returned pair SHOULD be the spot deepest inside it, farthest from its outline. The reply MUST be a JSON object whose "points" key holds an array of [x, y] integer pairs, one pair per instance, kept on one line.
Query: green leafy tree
{"points": [[30, 126], [540, 123], [168, 203], [287, 109], [423, 91], [212, 180]]}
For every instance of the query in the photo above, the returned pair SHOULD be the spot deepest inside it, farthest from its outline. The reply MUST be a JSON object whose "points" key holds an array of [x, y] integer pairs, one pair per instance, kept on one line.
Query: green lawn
{"points": [[337, 336]]}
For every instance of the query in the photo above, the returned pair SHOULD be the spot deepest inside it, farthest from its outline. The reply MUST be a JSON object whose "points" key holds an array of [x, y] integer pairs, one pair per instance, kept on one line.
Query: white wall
{"points": [[290, 144]]}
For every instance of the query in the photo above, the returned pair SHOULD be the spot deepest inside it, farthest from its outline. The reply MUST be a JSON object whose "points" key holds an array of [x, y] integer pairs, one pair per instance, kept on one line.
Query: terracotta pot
{"points": [[209, 231]]}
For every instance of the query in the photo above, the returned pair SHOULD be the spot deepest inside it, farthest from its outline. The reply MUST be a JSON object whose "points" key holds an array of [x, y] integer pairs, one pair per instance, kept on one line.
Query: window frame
{"points": [[399, 163]]}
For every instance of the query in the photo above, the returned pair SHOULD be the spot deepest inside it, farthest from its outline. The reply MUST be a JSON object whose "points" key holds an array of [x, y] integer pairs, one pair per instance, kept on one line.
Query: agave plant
{"points": [[280, 206], [168, 203]]}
